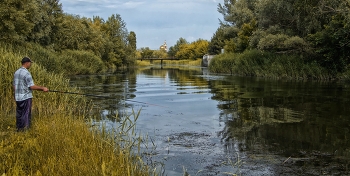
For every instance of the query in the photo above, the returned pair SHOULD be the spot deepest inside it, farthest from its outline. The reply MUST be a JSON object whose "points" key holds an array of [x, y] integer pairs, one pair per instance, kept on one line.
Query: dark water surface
{"points": [[207, 124]]}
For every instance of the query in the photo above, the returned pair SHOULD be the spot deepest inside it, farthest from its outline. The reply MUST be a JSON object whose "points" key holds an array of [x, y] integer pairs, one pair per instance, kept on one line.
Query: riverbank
{"points": [[271, 65], [61, 140]]}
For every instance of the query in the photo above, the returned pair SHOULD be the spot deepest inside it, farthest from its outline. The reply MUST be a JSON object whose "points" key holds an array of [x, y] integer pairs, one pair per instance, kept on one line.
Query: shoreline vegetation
{"points": [[62, 139], [271, 65]]}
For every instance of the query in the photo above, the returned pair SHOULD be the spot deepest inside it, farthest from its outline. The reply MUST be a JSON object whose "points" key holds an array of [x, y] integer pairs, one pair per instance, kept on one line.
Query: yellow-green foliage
{"points": [[60, 145], [196, 62], [142, 63], [59, 142]]}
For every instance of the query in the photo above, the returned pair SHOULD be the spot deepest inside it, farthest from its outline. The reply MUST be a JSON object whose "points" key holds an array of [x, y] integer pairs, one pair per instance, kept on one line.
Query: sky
{"points": [[155, 21]]}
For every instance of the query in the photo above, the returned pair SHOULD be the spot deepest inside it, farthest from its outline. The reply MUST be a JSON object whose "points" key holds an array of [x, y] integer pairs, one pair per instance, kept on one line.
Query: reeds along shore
{"points": [[271, 65], [60, 140]]}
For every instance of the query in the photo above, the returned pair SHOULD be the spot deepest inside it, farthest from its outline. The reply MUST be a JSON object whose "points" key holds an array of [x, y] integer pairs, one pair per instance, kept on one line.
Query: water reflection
{"points": [[260, 116], [285, 117]]}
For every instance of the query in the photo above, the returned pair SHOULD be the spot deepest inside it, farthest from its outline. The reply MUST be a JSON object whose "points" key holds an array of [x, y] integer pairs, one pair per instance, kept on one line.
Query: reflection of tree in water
{"points": [[257, 128], [312, 143], [280, 124], [111, 89]]}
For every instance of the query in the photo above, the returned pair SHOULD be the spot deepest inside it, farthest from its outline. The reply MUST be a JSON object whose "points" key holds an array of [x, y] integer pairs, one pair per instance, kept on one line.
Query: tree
{"points": [[193, 50], [115, 28], [132, 40], [201, 48], [174, 49], [296, 17], [146, 53], [131, 48], [49, 15], [186, 51], [217, 42], [95, 39], [332, 44], [244, 34], [239, 24], [72, 32], [43, 22], [16, 19], [159, 53], [237, 12]]}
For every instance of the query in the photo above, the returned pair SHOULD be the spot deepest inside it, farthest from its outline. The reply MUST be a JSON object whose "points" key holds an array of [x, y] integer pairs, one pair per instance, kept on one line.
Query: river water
{"points": [[207, 124]]}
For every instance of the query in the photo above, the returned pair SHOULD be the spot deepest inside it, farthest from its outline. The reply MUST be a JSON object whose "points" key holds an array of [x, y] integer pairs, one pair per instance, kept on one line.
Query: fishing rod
{"points": [[101, 96]]}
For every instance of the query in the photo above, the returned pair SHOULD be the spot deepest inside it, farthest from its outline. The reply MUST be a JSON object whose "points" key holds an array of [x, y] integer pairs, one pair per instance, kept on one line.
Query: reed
{"points": [[266, 64], [62, 145], [61, 141]]}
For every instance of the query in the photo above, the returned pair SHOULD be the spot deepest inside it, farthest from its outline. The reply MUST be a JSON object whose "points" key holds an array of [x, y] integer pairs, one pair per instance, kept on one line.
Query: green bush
{"points": [[294, 43], [272, 42]]}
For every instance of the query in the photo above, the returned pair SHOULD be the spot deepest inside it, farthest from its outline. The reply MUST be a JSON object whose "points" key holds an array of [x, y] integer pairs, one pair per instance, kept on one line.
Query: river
{"points": [[208, 124]]}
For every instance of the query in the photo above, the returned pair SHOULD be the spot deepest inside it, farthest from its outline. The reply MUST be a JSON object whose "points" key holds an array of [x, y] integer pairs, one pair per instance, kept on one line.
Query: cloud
{"points": [[124, 5], [154, 21]]}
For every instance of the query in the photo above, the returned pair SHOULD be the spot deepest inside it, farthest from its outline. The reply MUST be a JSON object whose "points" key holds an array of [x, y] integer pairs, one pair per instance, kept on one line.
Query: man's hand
{"points": [[35, 87], [45, 89]]}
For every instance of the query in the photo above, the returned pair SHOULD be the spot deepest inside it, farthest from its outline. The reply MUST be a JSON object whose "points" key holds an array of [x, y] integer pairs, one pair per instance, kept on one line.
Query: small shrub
{"points": [[272, 42], [294, 43]]}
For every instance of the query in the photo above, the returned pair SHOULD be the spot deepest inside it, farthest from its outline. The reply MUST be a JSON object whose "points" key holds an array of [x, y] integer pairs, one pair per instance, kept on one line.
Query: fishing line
{"points": [[101, 96]]}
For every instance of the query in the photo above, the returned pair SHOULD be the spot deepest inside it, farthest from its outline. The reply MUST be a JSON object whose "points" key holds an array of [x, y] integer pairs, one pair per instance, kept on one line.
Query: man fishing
{"points": [[23, 85]]}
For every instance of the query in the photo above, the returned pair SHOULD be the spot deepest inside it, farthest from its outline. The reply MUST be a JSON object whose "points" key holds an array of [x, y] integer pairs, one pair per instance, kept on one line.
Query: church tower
{"points": [[164, 47]]}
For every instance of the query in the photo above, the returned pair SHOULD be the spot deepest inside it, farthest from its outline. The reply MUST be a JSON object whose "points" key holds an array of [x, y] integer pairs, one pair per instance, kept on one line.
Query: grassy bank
{"points": [[266, 64], [60, 141]]}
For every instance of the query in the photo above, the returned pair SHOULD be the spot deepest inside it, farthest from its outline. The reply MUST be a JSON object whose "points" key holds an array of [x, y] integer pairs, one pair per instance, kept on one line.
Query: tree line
{"points": [[182, 50], [43, 22], [316, 30]]}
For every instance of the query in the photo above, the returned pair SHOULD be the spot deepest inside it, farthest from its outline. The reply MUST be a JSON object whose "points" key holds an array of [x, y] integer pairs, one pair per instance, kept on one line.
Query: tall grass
{"points": [[47, 103], [68, 62], [266, 64], [62, 145], [60, 141]]}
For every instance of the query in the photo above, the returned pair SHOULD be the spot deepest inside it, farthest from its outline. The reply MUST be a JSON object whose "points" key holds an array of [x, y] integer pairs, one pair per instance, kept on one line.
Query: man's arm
{"points": [[35, 87]]}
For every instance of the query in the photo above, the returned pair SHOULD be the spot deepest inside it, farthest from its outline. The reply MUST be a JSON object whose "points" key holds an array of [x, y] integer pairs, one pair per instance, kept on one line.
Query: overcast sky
{"points": [[155, 21]]}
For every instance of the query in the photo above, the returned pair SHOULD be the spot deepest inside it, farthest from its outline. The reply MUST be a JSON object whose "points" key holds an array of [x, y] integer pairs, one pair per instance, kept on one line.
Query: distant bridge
{"points": [[151, 59]]}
